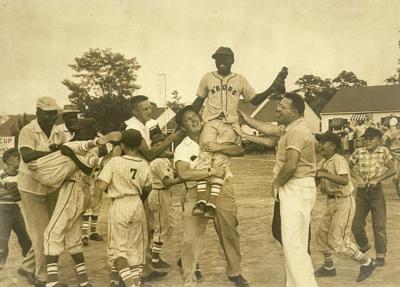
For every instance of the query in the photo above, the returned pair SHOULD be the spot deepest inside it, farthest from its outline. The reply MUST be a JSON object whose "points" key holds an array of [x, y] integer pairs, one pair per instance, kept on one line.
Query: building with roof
{"points": [[265, 112], [375, 104]]}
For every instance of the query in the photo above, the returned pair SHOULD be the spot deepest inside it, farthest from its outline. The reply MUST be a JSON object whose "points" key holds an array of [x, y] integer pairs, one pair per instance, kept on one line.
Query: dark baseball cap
{"points": [[223, 51], [131, 138], [372, 132], [329, 137], [156, 138]]}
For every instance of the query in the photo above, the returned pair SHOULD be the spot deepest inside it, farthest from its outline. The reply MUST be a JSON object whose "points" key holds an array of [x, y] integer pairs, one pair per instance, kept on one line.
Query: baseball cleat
{"points": [[199, 209], [239, 281], [323, 272], [160, 264], [85, 240], [366, 271], [380, 262], [95, 237], [210, 212]]}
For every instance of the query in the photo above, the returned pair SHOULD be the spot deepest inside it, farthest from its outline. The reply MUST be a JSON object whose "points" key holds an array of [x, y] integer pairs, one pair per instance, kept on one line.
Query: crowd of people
{"points": [[60, 173]]}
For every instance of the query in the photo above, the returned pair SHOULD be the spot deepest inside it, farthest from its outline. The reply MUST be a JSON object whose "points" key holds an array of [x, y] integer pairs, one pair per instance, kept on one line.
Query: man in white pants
{"points": [[293, 185]]}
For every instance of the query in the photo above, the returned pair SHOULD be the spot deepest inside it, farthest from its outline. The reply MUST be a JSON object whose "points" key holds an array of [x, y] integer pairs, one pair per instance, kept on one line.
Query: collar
{"points": [[231, 74], [379, 149], [294, 123], [188, 141], [37, 129], [133, 121]]}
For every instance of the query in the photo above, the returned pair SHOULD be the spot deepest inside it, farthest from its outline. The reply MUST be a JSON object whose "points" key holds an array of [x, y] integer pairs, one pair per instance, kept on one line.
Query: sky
{"points": [[39, 39]]}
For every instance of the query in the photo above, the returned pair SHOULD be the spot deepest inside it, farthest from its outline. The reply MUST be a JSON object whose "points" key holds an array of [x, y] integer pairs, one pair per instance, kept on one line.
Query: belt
{"points": [[123, 196], [333, 196]]}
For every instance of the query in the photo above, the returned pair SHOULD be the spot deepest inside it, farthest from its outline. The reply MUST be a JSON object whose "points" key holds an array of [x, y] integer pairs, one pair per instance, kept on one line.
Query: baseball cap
{"points": [[156, 138], [371, 133], [47, 104], [84, 123], [131, 138], [393, 122], [329, 137], [70, 109], [223, 51]]}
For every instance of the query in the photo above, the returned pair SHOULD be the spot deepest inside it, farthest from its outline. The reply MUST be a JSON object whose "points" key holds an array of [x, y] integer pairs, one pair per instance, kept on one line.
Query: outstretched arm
{"points": [[277, 87], [267, 129]]}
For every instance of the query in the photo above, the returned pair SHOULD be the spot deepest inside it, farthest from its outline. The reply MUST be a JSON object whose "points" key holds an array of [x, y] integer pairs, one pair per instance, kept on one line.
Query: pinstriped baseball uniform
{"points": [[127, 230], [332, 235], [220, 112], [160, 199], [64, 229]]}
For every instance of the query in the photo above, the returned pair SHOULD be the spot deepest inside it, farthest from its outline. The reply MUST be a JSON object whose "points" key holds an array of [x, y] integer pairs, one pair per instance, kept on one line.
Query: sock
{"points": [[201, 191], [93, 224], [155, 251], [127, 277], [85, 225], [51, 271], [114, 275], [136, 274], [367, 263], [80, 267], [328, 261], [215, 191], [361, 257]]}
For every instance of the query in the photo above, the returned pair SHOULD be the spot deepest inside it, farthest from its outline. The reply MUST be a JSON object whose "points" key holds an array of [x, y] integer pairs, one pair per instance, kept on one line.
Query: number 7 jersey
{"points": [[125, 175]]}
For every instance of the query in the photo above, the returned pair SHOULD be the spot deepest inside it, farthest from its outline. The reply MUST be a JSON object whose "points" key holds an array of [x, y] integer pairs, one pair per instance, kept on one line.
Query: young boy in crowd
{"points": [[374, 164], [160, 201], [333, 233], [128, 180], [10, 214]]}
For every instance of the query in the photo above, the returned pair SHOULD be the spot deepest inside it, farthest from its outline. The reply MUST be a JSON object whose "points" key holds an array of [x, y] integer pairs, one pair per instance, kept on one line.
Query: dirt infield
{"points": [[262, 257]]}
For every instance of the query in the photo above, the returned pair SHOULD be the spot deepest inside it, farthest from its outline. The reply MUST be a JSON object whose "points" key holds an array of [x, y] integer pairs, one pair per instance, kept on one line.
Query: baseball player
{"points": [[333, 233], [222, 89], [64, 229], [391, 139], [160, 202], [128, 180]]}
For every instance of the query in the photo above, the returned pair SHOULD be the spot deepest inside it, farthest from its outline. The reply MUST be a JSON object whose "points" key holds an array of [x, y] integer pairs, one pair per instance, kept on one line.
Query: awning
{"points": [[360, 117], [337, 123]]}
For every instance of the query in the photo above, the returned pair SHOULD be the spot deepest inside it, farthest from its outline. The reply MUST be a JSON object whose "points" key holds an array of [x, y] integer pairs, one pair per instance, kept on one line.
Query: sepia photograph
{"points": [[208, 143]]}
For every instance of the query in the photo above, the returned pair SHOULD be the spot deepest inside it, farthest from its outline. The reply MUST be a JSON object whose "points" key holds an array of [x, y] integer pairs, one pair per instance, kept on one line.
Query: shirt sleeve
{"points": [[162, 169], [388, 155], [248, 91], [296, 139], [181, 154], [106, 173], [26, 139], [354, 157], [202, 90], [341, 166]]}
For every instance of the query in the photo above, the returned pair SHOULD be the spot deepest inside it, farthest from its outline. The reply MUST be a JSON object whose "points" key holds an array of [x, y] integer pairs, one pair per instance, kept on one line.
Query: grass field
{"points": [[262, 257]]}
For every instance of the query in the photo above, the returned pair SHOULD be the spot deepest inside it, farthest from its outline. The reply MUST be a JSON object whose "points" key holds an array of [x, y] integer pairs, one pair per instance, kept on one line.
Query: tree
{"points": [[395, 79], [104, 83], [318, 92], [176, 103], [16, 129]]}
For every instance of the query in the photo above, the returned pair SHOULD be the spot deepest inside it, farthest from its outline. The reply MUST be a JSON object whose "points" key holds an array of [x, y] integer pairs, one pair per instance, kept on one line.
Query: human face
{"points": [[13, 162], [327, 149], [192, 123], [371, 143], [285, 113], [70, 119], [223, 64], [158, 144], [143, 111], [46, 119]]}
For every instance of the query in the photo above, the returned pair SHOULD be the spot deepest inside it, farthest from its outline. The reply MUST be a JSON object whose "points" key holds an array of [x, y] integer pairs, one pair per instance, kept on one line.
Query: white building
{"points": [[375, 104]]}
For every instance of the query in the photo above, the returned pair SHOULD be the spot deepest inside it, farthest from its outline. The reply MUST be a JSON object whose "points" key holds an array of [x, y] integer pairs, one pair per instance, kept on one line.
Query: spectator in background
{"points": [[10, 214], [349, 133], [391, 139]]}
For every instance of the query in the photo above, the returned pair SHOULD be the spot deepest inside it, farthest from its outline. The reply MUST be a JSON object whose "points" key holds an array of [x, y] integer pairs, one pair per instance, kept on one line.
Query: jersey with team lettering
{"points": [[223, 94], [125, 175]]}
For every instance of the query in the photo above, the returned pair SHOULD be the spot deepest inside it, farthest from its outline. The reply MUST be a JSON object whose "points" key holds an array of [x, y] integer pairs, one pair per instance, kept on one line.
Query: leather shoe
{"points": [[95, 237], [239, 281]]}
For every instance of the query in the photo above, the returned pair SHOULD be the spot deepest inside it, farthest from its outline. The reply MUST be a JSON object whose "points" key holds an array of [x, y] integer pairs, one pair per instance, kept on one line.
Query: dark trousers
{"points": [[11, 219], [370, 199]]}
